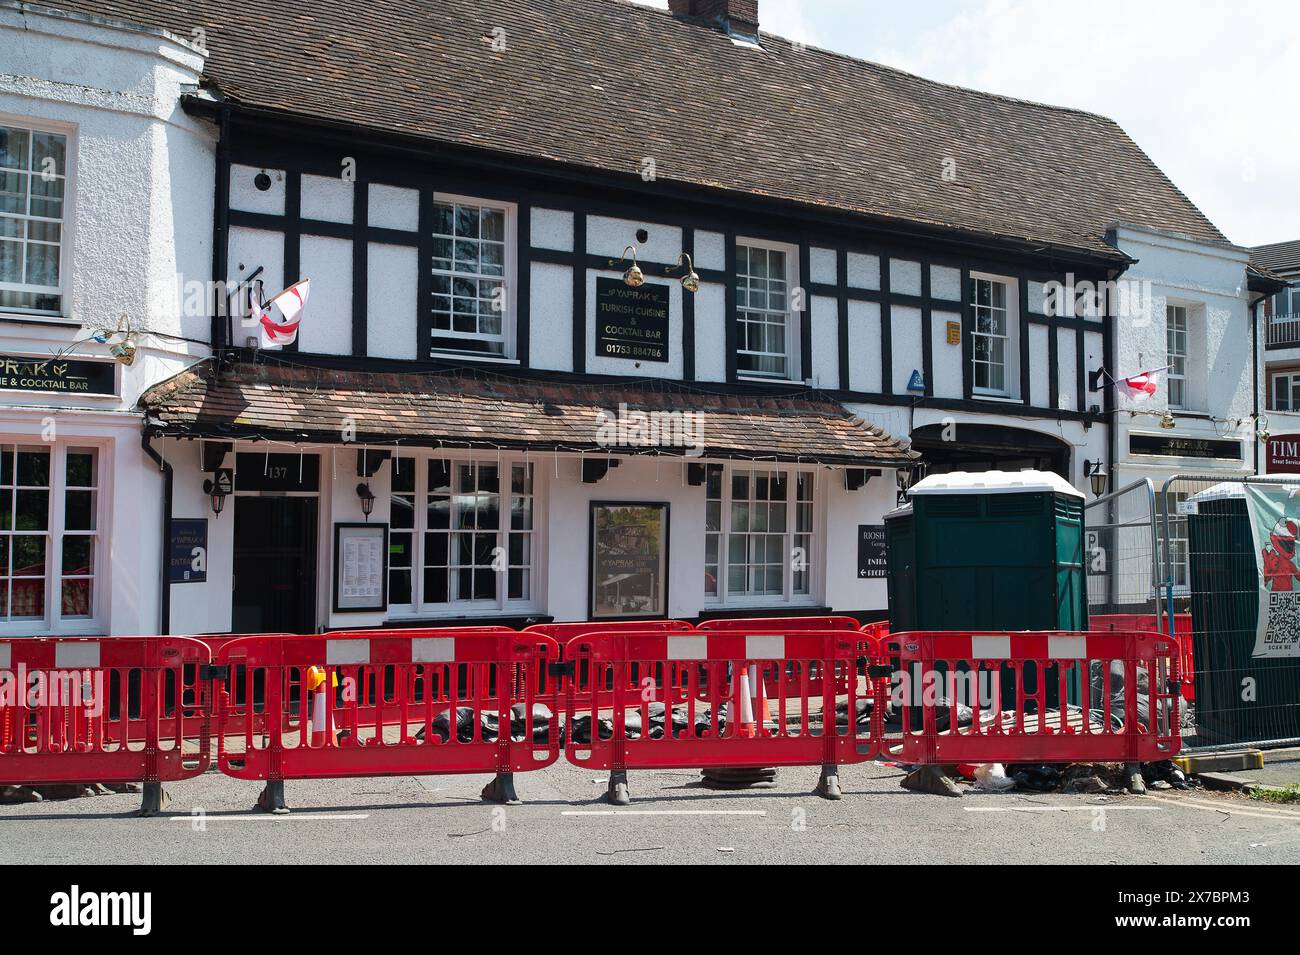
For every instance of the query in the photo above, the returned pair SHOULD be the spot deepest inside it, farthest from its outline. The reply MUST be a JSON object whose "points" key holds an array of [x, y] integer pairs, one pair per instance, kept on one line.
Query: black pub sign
{"points": [[631, 322], [63, 376], [1184, 447], [872, 555]]}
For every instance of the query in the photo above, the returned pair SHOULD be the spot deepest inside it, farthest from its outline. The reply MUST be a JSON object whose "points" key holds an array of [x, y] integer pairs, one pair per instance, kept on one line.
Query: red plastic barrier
{"points": [[76, 710], [391, 703], [757, 624], [552, 692], [946, 670], [1182, 633], [728, 723]]}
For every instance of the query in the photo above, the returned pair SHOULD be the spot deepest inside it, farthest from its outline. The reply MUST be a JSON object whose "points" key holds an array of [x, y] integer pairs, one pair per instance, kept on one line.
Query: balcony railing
{"points": [[1284, 330]]}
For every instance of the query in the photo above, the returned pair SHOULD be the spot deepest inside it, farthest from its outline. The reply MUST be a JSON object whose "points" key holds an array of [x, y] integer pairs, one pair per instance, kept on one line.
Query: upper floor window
{"points": [[472, 266], [1286, 305], [1286, 392], [758, 534], [766, 331], [33, 181], [991, 337], [1176, 337]]}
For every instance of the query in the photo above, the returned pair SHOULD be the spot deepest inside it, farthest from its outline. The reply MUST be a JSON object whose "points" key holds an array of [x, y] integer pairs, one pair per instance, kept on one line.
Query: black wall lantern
{"points": [[367, 499], [216, 494], [1097, 476]]}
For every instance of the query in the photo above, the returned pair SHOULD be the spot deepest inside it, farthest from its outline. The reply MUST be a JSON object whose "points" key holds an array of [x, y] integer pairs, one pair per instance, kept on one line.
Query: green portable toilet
{"points": [[995, 550], [1224, 581]]}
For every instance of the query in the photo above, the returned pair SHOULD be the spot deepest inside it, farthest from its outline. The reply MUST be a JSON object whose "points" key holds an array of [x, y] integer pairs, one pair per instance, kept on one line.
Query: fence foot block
{"points": [[154, 799], [502, 790], [617, 793], [272, 797], [828, 787]]}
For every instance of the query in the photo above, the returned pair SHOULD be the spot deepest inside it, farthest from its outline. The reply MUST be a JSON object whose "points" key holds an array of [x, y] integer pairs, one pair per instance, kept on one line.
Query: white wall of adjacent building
{"points": [[136, 226]]}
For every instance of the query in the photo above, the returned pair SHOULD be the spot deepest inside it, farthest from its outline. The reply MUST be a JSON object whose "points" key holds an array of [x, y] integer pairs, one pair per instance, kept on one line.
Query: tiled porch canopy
{"points": [[280, 401]]}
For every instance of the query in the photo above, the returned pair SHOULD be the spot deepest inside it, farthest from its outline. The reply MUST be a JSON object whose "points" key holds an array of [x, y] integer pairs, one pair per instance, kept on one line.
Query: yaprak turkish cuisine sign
{"points": [[631, 322], [64, 376]]}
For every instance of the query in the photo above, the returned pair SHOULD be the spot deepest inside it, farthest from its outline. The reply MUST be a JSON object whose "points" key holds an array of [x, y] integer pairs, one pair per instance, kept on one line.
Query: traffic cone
{"points": [[752, 707]]}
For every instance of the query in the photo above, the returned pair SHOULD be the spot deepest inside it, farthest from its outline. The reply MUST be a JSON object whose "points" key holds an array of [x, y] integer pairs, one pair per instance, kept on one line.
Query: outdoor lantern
{"points": [[1097, 476], [367, 499], [633, 277], [1167, 420], [216, 495], [1261, 424], [691, 280]]}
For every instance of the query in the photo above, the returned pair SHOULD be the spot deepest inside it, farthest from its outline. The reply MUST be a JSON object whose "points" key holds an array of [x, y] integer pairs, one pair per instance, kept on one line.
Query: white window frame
{"points": [[509, 277], [69, 132], [1177, 333], [1010, 311], [420, 608], [816, 555], [1180, 567], [793, 325], [53, 621], [1292, 378]]}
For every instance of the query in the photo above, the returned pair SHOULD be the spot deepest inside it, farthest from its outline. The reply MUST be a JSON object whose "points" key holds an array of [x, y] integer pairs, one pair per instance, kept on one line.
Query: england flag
{"points": [[276, 333], [1141, 386]]}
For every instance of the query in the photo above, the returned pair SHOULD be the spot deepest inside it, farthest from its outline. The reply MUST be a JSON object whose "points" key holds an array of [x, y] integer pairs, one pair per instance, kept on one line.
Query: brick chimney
{"points": [[734, 16]]}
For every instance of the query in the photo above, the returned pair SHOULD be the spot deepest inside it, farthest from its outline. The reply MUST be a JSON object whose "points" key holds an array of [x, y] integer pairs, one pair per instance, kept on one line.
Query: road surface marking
{"points": [[1089, 808], [208, 817], [1253, 812], [664, 812]]}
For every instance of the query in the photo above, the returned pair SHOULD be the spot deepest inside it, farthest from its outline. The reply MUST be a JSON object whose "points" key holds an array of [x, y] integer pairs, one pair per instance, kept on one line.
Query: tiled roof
{"points": [[1279, 258], [606, 84], [284, 402]]}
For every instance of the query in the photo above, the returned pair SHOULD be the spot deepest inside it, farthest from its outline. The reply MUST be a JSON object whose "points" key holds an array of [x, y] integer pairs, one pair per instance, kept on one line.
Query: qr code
{"points": [[1283, 617]]}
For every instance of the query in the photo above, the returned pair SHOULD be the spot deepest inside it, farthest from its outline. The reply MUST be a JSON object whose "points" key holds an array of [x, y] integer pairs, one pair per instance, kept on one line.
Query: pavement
{"points": [[672, 819]]}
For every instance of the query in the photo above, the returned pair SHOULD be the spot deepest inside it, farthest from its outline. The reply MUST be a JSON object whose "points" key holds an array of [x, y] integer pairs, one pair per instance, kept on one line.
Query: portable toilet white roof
{"points": [[996, 482]]}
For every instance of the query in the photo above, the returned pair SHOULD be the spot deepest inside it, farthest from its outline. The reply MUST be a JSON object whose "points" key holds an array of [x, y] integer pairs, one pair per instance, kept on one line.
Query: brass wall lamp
{"points": [[633, 277], [691, 280]]}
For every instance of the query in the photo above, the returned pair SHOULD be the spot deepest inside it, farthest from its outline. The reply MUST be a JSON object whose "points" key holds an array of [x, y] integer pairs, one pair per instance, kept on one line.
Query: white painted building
{"points": [[430, 450], [105, 199]]}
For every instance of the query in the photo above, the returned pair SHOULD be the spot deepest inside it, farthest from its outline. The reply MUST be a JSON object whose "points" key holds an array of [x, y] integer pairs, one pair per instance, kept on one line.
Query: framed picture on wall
{"points": [[360, 567], [628, 560]]}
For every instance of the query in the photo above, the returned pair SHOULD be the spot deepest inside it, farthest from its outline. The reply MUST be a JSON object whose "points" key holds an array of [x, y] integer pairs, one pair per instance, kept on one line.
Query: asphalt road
{"points": [[672, 820]]}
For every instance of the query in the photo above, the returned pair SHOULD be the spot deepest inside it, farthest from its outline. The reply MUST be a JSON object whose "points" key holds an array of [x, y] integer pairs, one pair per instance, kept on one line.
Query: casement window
{"points": [[462, 534], [33, 186], [1286, 392], [473, 274], [1178, 542], [990, 337], [767, 336], [759, 534], [1176, 337], [1286, 306], [49, 535]]}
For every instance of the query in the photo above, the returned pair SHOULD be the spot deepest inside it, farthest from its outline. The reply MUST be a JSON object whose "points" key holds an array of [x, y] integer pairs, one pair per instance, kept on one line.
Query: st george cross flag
{"points": [[1141, 386], [276, 333]]}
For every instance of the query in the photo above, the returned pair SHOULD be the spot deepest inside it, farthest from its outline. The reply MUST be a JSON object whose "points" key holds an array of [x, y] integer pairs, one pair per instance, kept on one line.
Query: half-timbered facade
{"points": [[844, 271]]}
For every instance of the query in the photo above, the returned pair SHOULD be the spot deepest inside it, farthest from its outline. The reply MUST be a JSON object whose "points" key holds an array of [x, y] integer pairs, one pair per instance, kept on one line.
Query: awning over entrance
{"points": [[275, 400]]}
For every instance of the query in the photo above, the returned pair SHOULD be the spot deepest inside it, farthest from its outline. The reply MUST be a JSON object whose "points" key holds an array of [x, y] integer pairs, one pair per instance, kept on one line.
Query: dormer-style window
{"points": [[473, 277]]}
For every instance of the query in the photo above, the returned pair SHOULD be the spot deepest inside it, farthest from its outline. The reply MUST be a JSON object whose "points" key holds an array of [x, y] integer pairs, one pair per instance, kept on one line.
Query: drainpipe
{"points": [[1254, 362], [165, 608]]}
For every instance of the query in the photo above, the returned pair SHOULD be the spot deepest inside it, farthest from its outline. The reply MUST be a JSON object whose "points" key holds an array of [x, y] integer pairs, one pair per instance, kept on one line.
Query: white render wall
{"points": [[139, 228], [1211, 282]]}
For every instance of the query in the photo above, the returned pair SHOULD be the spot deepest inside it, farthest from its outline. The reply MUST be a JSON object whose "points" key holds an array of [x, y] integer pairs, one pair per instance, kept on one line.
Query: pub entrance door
{"points": [[275, 565]]}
